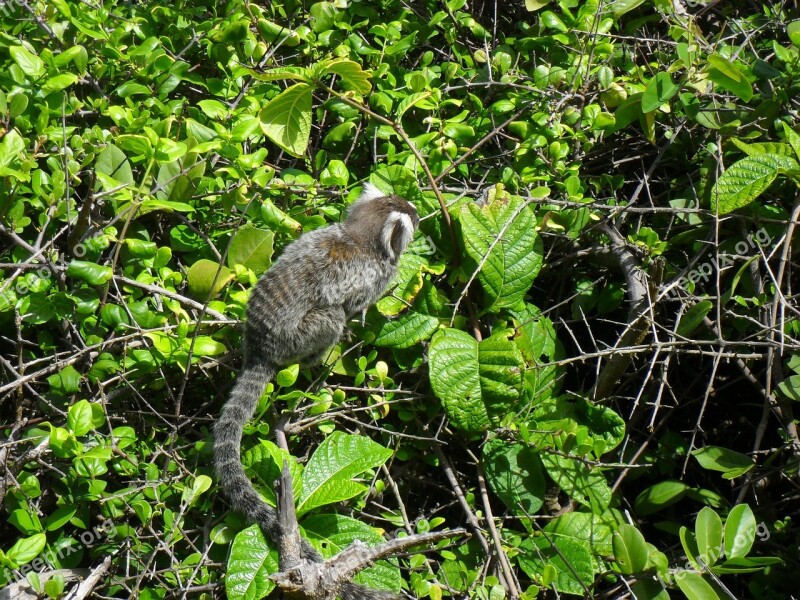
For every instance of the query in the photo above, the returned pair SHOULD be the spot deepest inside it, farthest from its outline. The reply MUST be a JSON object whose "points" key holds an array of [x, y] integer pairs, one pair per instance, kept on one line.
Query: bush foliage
{"points": [[589, 357]]}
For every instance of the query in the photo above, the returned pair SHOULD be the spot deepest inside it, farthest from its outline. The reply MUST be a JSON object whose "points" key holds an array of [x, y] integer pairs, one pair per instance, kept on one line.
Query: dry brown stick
{"points": [[512, 585], [87, 585], [462, 500]]}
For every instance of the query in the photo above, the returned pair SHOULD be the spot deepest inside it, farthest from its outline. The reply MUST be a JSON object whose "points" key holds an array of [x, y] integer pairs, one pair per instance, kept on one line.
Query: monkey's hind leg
{"points": [[319, 329]]}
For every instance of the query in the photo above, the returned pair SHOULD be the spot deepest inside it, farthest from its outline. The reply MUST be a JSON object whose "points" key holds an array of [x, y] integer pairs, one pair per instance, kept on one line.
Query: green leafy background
{"points": [[577, 165]]}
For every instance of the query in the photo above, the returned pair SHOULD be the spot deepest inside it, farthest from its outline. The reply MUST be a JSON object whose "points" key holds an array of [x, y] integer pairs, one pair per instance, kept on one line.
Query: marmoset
{"points": [[299, 309]]}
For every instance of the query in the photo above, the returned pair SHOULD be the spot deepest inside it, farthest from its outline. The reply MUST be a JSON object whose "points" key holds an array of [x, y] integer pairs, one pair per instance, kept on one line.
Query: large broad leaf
{"points": [[536, 338], [477, 382], [571, 560], [580, 482], [600, 423], [330, 534], [584, 528], [286, 120], [747, 179], [352, 75], [500, 237], [328, 477], [414, 325], [251, 247], [250, 564], [264, 463], [514, 473]]}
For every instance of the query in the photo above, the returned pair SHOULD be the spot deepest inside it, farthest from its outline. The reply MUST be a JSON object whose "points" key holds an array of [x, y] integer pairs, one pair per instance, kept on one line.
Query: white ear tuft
{"points": [[371, 192], [392, 245]]}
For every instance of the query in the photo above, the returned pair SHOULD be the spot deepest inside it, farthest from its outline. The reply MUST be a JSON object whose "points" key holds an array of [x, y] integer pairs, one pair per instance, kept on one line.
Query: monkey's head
{"points": [[387, 223]]}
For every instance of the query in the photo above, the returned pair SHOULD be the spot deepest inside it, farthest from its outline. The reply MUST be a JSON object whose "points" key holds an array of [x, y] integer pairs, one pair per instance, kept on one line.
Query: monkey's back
{"points": [[324, 268]]}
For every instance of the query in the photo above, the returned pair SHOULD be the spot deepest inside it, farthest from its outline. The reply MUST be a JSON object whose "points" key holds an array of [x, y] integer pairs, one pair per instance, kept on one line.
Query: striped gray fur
{"points": [[298, 310]]}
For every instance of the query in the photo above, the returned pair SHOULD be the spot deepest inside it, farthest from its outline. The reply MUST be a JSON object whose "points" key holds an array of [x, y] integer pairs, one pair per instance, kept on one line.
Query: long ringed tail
{"points": [[228, 444]]}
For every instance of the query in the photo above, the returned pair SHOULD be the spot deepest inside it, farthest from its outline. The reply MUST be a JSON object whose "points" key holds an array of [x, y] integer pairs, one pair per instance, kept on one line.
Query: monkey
{"points": [[297, 310]]}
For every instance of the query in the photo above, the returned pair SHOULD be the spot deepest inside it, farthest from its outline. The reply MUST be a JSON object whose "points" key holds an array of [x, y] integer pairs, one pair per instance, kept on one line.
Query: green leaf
{"points": [[514, 472], [200, 485], [790, 388], [79, 418], [630, 549], [60, 517], [694, 586], [764, 148], [331, 533], [66, 381], [501, 239], [90, 272], [689, 543], [408, 101], [250, 564], [352, 75], [26, 549], [692, 318], [746, 564], [552, 20], [649, 589], [286, 120], [568, 414], [204, 345], [156, 204], [534, 5], [620, 7], [31, 65], [115, 164], [328, 476], [264, 464], [288, 376], [59, 82], [659, 496], [659, 91], [747, 179], [207, 278], [577, 480], [731, 464], [793, 31], [251, 247], [708, 533], [572, 562], [585, 528], [407, 330], [728, 76], [25, 520], [477, 382], [793, 138], [740, 531]]}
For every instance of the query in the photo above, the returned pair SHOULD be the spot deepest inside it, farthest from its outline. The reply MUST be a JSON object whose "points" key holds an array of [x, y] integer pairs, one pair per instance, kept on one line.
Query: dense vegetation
{"points": [[588, 359]]}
